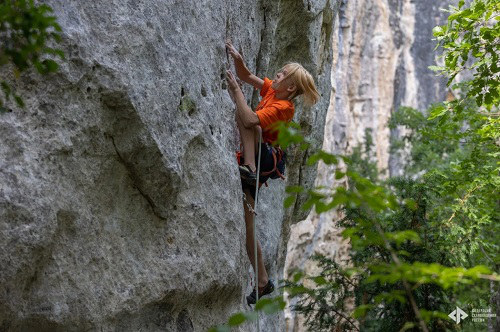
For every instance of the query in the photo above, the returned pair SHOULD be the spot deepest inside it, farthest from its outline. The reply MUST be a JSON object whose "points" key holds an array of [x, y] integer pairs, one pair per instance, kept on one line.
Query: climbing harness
{"points": [[279, 158]]}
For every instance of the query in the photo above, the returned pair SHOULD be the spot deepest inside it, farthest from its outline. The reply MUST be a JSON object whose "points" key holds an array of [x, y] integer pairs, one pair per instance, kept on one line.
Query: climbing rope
{"points": [[255, 232], [252, 210]]}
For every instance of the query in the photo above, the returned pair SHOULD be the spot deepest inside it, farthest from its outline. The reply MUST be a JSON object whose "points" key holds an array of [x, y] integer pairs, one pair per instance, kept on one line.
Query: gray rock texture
{"points": [[382, 49], [120, 199]]}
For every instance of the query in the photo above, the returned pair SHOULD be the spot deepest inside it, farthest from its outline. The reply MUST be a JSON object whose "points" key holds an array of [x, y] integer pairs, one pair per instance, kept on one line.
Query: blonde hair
{"points": [[304, 82]]}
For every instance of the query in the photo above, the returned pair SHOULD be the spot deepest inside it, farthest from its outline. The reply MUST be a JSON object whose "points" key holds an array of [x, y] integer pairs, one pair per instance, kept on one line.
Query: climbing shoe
{"points": [[247, 175], [268, 289]]}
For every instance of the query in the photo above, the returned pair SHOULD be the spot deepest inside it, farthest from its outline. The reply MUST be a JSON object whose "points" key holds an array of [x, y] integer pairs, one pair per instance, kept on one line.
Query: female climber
{"points": [[276, 105]]}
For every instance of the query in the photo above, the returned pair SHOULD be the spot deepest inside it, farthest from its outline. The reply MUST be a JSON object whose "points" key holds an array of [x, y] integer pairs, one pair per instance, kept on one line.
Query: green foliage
{"points": [[458, 166], [359, 154], [471, 40], [324, 305], [289, 134], [398, 238], [26, 29], [267, 306]]}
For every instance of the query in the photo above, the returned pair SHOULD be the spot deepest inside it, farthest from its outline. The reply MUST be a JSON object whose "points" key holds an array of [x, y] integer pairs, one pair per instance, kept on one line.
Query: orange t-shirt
{"points": [[271, 110]]}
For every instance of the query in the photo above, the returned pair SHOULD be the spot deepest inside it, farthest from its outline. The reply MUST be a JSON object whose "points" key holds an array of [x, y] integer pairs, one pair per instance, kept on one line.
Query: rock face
{"points": [[382, 49], [120, 199]]}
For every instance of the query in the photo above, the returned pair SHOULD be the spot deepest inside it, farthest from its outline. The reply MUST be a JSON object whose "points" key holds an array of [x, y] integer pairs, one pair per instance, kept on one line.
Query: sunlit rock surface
{"points": [[120, 199]]}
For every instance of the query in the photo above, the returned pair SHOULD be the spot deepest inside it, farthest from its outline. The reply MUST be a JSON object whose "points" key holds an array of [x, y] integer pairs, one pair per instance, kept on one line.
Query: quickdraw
{"points": [[248, 205]]}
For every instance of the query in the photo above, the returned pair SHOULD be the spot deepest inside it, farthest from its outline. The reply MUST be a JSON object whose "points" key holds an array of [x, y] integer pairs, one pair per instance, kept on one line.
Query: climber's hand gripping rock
{"points": [[232, 82], [232, 51]]}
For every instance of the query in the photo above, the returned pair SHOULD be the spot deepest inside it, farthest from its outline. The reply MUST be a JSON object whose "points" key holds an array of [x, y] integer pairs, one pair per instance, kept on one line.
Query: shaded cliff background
{"points": [[382, 50], [120, 201]]}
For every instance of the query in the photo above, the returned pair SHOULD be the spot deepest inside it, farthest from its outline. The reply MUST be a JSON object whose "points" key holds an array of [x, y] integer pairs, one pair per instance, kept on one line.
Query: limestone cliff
{"points": [[120, 200], [382, 49]]}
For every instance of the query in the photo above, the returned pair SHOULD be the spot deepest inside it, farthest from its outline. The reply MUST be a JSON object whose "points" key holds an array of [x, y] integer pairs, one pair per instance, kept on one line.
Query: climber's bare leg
{"points": [[249, 138], [263, 277]]}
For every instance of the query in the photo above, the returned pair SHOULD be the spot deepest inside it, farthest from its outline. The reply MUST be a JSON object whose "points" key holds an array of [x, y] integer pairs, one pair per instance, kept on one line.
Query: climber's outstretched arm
{"points": [[241, 70], [248, 117]]}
